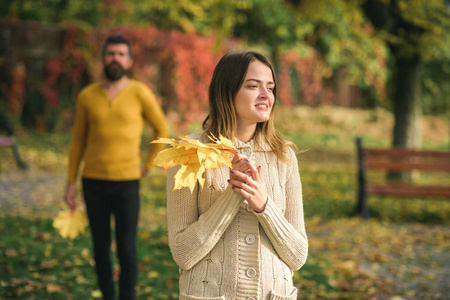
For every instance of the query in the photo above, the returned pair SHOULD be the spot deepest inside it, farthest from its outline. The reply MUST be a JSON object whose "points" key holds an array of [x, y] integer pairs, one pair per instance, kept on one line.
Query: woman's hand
{"points": [[246, 180]]}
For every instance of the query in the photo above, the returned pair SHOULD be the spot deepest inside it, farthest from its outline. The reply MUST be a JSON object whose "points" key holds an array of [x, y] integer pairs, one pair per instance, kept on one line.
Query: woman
{"points": [[242, 234]]}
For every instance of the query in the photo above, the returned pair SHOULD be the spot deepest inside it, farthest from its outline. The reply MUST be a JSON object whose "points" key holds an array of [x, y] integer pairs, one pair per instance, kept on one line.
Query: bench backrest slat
{"points": [[408, 190], [400, 152], [405, 166], [399, 160]]}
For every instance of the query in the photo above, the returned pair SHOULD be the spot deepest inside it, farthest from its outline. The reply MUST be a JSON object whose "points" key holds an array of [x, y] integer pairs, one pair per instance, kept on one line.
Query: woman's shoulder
{"points": [[196, 135], [290, 153]]}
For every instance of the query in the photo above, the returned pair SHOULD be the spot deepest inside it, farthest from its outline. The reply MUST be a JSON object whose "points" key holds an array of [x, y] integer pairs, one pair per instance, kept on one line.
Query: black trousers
{"points": [[119, 198]]}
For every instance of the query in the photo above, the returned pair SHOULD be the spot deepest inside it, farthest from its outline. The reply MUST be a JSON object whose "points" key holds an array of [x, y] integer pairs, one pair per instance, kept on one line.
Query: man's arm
{"points": [[77, 149], [155, 118]]}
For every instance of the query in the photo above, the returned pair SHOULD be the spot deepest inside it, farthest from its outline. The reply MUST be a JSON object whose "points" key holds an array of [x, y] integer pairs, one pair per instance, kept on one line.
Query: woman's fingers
{"points": [[246, 181], [238, 158], [249, 184], [240, 163], [254, 172], [239, 178]]}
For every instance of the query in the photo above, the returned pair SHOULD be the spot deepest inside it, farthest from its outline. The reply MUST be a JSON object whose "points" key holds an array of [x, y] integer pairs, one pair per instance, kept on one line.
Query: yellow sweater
{"points": [[107, 133]]}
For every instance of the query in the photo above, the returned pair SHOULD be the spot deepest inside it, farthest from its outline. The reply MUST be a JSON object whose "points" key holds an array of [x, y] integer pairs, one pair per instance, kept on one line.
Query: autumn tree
{"points": [[85, 13], [338, 30], [347, 38], [416, 32], [351, 34], [201, 16]]}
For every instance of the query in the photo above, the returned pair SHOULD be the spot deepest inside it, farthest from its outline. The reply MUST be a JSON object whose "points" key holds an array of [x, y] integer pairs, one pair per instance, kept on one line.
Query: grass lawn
{"points": [[402, 252]]}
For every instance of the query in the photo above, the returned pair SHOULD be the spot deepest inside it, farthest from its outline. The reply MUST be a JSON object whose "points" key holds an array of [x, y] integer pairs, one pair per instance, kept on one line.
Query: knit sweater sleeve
{"points": [[192, 236], [287, 231], [78, 144], [155, 118]]}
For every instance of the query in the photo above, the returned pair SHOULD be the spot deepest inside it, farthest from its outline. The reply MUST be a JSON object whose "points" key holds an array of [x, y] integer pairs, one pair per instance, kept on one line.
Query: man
{"points": [[109, 120]]}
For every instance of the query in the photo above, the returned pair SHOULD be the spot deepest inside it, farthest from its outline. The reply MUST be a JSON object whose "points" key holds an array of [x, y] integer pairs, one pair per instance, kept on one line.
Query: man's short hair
{"points": [[117, 39]]}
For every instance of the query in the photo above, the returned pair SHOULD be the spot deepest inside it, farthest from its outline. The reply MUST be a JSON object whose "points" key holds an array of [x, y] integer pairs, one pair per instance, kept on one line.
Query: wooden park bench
{"points": [[399, 160]]}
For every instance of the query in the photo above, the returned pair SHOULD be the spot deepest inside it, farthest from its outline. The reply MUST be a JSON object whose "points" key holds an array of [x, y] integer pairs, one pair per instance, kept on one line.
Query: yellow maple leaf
{"points": [[194, 157], [170, 157], [188, 175], [222, 142], [166, 141], [69, 224]]}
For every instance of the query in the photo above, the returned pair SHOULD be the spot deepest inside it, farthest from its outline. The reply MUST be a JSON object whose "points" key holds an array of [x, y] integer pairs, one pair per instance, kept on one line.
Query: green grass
{"points": [[39, 264]]}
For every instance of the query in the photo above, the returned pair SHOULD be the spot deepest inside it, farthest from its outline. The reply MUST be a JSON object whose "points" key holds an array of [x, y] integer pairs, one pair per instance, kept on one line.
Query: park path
{"points": [[33, 188]]}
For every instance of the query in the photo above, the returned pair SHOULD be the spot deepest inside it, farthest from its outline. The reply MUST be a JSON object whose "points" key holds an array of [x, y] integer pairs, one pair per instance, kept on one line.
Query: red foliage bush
{"points": [[16, 91], [309, 78], [176, 66]]}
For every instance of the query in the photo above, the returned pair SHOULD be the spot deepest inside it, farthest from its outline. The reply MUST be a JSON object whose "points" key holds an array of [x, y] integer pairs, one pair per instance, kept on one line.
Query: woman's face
{"points": [[254, 100]]}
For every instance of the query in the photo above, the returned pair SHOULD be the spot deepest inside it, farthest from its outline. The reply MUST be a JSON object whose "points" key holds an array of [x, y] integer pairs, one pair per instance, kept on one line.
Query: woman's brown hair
{"points": [[227, 79]]}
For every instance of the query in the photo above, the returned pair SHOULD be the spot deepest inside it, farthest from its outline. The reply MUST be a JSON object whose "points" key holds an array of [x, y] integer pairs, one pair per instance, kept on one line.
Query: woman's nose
{"points": [[264, 92]]}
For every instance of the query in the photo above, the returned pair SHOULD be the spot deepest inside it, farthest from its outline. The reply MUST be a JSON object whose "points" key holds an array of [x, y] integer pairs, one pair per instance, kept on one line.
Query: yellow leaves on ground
{"points": [[96, 294], [152, 274], [53, 288], [69, 224], [194, 157]]}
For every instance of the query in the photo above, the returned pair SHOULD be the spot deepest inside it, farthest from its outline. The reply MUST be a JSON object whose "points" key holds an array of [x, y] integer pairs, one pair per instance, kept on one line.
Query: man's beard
{"points": [[114, 71]]}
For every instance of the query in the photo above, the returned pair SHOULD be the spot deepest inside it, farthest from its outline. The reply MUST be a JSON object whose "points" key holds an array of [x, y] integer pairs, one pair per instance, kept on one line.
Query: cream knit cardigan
{"points": [[224, 249]]}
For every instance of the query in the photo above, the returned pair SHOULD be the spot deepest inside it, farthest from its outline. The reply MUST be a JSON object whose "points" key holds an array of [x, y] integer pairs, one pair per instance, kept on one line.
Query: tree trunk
{"points": [[407, 103], [407, 106]]}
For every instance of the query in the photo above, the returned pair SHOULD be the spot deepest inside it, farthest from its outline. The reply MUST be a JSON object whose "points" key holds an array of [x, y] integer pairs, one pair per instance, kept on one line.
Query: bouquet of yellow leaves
{"points": [[70, 223], [194, 157]]}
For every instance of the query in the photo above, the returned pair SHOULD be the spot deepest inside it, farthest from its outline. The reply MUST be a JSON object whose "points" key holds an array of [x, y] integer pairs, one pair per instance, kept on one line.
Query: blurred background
{"points": [[376, 69]]}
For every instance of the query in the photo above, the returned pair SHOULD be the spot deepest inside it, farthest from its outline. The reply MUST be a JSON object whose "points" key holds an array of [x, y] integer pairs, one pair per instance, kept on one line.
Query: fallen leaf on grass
{"points": [[96, 294], [170, 284], [152, 274], [144, 235], [53, 288], [48, 264], [85, 253], [43, 236], [70, 224], [11, 252]]}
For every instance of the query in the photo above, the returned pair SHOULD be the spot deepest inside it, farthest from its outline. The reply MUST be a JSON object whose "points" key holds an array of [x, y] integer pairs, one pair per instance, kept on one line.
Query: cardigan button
{"points": [[250, 239], [251, 272], [246, 151]]}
